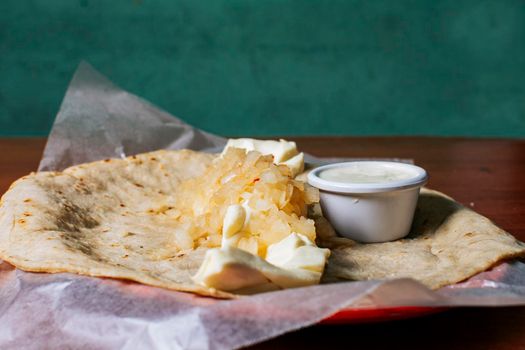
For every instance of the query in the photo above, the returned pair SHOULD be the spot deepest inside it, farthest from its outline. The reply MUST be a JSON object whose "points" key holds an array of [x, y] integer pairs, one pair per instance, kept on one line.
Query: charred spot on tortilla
{"points": [[78, 241], [75, 223], [72, 218]]}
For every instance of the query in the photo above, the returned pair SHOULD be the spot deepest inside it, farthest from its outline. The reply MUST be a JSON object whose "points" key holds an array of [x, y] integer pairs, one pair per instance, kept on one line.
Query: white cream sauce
{"points": [[366, 173]]}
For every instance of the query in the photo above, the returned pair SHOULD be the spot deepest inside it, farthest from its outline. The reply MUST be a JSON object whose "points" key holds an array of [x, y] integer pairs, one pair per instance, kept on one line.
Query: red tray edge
{"points": [[371, 315]]}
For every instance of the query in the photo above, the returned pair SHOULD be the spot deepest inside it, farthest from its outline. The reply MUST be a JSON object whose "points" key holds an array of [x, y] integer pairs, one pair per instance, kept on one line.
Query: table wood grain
{"points": [[487, 175]]}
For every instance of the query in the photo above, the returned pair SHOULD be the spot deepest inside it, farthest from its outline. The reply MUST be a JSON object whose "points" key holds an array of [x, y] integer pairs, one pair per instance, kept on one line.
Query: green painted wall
{"points": [[263, 67]]}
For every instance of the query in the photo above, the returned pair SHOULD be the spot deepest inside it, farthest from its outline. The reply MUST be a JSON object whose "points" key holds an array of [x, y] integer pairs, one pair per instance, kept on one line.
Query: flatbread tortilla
{"points": [[104, 219], [151, 217], [114, 218], [448, 243]]}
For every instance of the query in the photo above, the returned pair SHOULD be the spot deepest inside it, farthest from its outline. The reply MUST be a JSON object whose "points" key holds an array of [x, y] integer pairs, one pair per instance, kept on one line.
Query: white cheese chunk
{"points": [[307, 258], [297, 252], [296, 164], [234, 270], [293, 262], [284, 152], [233, 220], [279, 253], [229, 269], [281, 150]]}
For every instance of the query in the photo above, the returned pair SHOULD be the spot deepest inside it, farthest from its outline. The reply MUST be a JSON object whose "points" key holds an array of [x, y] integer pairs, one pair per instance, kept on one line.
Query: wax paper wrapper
{"points": [[98, 120]]}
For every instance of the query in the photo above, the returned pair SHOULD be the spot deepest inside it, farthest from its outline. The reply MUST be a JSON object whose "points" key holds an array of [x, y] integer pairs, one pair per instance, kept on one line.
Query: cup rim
{"points": [[419, 179]]}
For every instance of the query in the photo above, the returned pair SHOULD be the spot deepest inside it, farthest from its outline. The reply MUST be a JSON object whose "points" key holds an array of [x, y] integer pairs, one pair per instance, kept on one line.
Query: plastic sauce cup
{"points": [[369, 201]]}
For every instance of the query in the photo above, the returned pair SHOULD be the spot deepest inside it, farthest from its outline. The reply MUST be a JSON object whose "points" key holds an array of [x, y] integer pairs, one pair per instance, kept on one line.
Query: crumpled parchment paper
{"points": [[98, 120]]}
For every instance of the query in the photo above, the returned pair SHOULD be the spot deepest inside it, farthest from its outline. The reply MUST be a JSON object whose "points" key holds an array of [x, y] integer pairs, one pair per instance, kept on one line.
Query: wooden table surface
{"points": [[486, 174]]}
